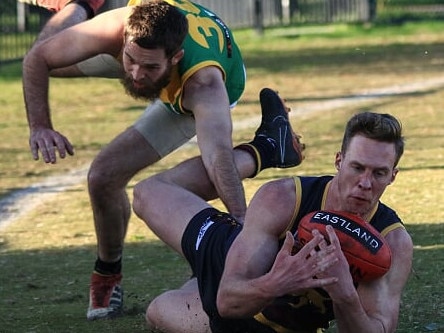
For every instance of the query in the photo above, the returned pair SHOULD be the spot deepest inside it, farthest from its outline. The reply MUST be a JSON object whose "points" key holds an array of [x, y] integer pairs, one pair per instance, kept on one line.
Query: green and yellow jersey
{"points": [[209, 43]]}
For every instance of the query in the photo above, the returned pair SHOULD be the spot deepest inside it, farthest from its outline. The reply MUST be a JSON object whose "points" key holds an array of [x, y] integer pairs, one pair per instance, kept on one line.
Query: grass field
{"points": [[46, 255]]}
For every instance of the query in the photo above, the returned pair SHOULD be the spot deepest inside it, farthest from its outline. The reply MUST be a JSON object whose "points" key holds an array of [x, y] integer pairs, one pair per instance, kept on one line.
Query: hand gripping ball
{"points": [[365, 249]]}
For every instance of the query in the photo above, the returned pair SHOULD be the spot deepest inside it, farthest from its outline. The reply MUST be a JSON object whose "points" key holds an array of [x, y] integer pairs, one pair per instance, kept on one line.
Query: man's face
{"points": [[147, 71], [364, 171]]}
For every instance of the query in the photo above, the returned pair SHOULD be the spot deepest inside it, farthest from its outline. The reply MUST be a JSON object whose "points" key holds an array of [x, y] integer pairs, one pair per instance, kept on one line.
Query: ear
{"points": [[394, 173], [177, 57], [338, 160]]}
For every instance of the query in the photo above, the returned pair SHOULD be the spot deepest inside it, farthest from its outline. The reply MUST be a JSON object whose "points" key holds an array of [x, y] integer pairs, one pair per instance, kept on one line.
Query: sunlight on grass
{"points": [[429, 247]]}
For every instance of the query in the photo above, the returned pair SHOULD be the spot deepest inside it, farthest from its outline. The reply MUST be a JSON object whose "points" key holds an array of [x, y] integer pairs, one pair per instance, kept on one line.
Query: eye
{"points": [[381, 173], [151, 68], [357, 167], [128, 59]]}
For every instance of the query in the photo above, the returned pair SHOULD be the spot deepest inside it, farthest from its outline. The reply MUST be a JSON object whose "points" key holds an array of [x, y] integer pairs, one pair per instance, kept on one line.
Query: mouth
{"points": [[138, 85], [359, 199]]}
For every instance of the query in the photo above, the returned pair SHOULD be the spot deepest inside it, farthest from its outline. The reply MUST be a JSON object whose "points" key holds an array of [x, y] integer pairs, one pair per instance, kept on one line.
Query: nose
{"points": [[365, 181], [137, 73]]}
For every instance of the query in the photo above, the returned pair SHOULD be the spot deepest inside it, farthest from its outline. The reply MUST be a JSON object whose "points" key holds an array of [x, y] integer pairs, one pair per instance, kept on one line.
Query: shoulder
{"points": [[108, 24], [385, 219], [272, 207], [206, 75], [119, 14], [400, 242], [276, 189], [401, 247]]}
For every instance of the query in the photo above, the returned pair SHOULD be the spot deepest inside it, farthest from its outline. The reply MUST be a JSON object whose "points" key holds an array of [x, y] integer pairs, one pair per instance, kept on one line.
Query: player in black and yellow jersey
{"points": [[248, 279]]}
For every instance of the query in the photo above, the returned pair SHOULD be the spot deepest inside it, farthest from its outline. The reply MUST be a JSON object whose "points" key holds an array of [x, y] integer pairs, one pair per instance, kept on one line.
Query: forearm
{"points": [[248, 284], [228, 184], [244, 299], [206, 95], [35, 91], [351, 317]]}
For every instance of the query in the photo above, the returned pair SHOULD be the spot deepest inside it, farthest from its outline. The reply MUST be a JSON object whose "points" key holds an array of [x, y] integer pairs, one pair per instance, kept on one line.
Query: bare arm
{"points": [[373, 307], [103, 34], [256, 271], [206, 96]]}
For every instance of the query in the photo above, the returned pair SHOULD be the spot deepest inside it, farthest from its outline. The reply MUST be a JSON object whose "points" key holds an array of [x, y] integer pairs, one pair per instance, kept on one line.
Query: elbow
{"points": [[227, 308], [26, 61], [222, 306], [231, 308], [35, 59], [31, 54]]}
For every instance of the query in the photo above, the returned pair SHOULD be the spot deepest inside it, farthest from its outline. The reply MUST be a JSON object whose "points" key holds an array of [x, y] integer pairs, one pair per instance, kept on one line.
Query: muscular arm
{"points": [[103, 34], [255, 272], [374, 307], [205, 94]]}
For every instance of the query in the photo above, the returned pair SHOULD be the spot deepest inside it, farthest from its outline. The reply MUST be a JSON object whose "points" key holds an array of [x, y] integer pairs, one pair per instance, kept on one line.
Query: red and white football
{"points": [[366, 250]]}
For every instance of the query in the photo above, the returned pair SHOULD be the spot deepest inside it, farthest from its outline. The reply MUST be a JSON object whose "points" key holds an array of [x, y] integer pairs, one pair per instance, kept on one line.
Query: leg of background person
{"points": [[109, 174], [187, 316], [108, 177], [70, 15], [154, 135]]}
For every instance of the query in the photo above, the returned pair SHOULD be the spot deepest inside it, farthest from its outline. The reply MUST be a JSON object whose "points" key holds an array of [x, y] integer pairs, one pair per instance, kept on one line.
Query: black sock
{"points": [[261, 149], [108, 268]]}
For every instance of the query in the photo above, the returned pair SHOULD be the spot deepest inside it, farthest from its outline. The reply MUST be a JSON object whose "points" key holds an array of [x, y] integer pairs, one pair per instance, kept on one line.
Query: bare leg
{"points": [[109, 174], [167, 201], [70, 15], [187, 316]]}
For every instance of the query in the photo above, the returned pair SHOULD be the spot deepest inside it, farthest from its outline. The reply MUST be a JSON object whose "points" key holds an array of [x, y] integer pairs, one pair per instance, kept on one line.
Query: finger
{"points": [[324, 261], [333, 238], [63, 145], [323, 282], [69, 147], [313, 251], [39, 143], [316, 233], [309, 248], [51, 153], [287, 247], [34, 150], [45, 152], [48, 151], [323, 244], [60, 146]]}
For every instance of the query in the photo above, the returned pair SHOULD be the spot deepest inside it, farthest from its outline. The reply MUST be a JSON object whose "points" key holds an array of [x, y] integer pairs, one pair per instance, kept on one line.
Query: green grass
{"points": [[46, 256]]}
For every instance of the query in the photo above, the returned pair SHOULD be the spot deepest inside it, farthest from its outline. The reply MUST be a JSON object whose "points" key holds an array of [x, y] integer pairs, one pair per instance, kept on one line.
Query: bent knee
{"points": [[103, 177], [150, 315], [99, 179], [178, 311], [154, 314], [148, 190], [138, 194], [141, 194]]}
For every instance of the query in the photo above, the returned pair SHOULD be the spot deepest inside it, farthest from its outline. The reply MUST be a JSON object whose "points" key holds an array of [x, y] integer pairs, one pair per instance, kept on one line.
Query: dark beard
{"points": [[146, 94]]}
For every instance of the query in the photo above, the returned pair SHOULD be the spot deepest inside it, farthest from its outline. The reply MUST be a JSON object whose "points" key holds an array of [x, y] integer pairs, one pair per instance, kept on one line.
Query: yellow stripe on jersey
{"points": [[297, 205], [392, 227], [278, 328]]}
